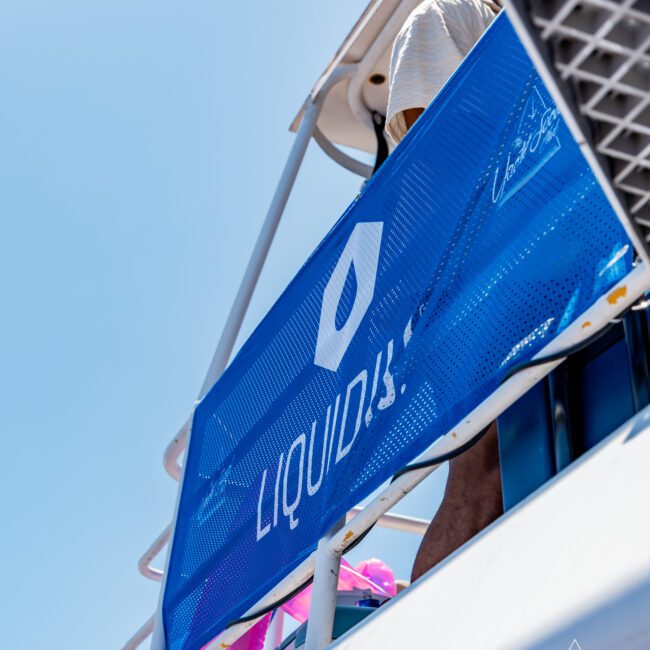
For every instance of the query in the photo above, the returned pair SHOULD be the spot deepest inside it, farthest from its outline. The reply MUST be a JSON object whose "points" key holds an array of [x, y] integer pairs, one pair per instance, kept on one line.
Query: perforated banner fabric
{"points": [[481, 238]]}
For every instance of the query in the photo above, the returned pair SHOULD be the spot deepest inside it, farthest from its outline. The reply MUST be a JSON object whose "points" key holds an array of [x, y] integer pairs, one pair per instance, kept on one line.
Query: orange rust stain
{"points": [[454, 434], [225, 645], [587, 323], [616, 295], [348, 535]]}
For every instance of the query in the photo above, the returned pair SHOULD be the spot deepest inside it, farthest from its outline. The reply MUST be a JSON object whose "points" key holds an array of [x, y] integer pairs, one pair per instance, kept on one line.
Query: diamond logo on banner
{"points": [[361, 257]]}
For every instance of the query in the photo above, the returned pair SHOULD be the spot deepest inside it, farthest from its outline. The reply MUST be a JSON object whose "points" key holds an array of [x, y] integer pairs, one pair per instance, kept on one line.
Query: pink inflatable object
{"points": [[380, 574], [370, 574]]}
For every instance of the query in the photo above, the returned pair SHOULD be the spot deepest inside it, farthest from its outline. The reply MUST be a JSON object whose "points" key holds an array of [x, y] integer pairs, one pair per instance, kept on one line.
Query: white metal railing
{"points": [[389, 520], [144, 563], [334, 544], [591, 321]]}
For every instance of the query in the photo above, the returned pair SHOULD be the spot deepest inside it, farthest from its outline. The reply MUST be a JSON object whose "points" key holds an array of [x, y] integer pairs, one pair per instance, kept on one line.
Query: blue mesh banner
{"points": [[481, 238]]}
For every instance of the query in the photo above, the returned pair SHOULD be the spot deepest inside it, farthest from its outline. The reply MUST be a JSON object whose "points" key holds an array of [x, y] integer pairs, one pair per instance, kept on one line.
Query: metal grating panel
{"points": [[599, 53]]}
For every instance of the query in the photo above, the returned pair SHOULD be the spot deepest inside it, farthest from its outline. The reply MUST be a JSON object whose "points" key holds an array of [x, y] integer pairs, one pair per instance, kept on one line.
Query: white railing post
{"points": [[323, 595], [252, 273], [262, 245], [265, 238]]}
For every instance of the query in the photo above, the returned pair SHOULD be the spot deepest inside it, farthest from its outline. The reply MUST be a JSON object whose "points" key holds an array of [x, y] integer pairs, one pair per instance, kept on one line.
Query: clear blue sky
{"points": [[140, 143]]}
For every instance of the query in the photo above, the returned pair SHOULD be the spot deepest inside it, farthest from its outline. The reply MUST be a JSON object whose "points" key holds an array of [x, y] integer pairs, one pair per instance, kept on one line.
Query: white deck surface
{"points": [[570, 562]]}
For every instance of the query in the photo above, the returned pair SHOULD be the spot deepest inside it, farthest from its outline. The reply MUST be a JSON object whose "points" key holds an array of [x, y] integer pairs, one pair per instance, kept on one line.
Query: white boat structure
{"points": [[568, 564]]}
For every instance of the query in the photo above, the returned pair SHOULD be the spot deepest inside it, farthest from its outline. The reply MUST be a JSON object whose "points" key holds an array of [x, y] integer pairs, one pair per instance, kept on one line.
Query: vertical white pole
{"points": [[323, 595], [313, 107], [262, 246], [275, 632]]}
